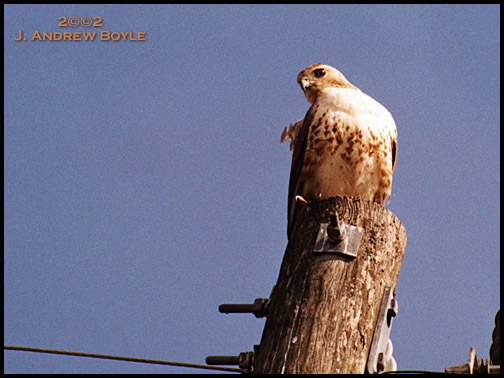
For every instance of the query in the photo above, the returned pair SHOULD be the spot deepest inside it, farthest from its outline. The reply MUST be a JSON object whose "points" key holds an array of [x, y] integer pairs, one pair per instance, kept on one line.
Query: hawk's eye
{"points": [[319, 73]]}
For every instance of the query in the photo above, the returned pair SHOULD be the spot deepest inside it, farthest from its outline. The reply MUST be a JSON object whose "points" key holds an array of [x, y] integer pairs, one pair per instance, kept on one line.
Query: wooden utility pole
{"points": [[324, 307]]}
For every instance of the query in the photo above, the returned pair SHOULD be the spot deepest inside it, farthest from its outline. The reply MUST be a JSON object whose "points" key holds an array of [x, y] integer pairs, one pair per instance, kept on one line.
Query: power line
{"points": [[121, 358]]}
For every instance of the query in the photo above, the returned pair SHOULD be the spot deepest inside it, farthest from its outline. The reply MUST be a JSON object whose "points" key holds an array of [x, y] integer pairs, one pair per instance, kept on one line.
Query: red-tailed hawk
{"points": [[346, 145]]}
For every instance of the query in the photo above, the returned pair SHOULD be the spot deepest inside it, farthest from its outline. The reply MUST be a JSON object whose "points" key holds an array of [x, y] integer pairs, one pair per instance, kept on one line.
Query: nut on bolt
{"points": [[335, 229]]}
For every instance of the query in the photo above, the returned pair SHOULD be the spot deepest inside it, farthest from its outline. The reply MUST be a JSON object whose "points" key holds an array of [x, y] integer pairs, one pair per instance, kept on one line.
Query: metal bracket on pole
{"points": [[380, 355], [338, 237]]}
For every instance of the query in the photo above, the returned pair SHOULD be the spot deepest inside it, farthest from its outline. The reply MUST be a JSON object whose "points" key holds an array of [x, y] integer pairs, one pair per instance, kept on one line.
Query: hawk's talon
{"points": [[300, 199]]}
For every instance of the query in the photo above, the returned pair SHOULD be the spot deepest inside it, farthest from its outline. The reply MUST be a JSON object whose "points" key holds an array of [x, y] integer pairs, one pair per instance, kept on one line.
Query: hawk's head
{"points": [[318, 77]]}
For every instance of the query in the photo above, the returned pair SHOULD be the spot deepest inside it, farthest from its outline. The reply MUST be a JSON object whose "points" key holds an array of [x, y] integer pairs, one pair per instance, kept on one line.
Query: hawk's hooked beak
{"points": [[305, 83]]}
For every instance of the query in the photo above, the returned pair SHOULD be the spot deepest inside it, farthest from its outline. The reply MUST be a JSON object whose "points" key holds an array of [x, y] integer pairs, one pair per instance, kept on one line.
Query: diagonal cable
{"points": [[121, 358]]}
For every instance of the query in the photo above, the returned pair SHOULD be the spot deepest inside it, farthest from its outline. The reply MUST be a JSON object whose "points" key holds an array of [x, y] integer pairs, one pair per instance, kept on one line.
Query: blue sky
{"points": [[145, 183]]}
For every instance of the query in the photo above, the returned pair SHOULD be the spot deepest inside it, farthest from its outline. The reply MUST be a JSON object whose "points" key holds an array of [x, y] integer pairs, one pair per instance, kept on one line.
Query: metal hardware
{"points": [[222, 360], [245, 360], [336, 232], [474, 365], [338, 237], [259, 308], [380, 354]]}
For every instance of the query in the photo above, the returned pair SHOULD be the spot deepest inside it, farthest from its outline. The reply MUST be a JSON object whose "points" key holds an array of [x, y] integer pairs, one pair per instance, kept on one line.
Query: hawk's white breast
{"points": [[349, 146]]}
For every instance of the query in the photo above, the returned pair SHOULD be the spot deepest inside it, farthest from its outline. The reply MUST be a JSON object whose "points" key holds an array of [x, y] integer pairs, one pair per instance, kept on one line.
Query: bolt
{"points": [[335, 229]]}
